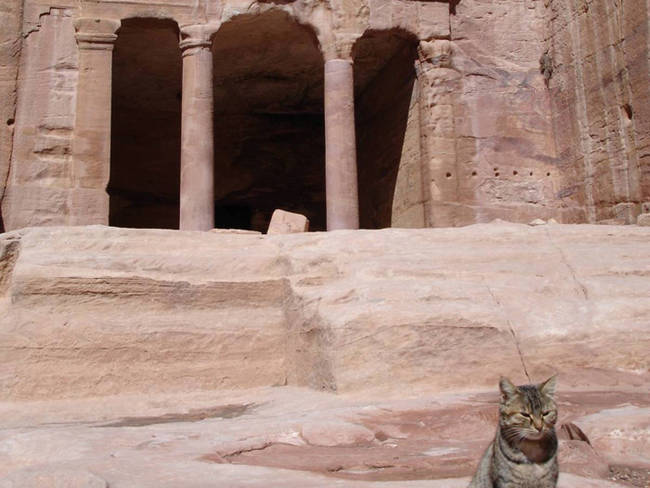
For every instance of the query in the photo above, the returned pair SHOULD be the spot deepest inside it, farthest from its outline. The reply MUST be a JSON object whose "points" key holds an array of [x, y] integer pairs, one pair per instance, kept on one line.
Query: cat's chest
{"points": [[537, 451], [531, 476]]}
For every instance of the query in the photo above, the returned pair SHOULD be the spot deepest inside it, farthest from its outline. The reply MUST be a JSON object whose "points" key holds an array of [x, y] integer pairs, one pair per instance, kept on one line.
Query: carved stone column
{"points": [[437, 87], [91, 146], [341, 186], [197, 134]]}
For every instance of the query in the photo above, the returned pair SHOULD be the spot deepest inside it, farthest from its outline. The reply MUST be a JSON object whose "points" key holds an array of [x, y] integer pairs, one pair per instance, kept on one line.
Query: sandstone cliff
{"points": [[516, 109], [599, 61], [506, 159]]}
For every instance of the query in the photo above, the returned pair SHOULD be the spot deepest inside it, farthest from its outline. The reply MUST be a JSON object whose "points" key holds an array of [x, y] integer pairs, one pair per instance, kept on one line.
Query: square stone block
{"points": [[405, 15], [643, 220], [283, 222], [433, 20], [380, 14]]}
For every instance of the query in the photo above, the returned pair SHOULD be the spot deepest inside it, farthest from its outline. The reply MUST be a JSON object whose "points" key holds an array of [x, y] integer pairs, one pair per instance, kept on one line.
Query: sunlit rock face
{"points": [[598, 52], [135, 354], [348, 358], [463, 112], [99, 310]]}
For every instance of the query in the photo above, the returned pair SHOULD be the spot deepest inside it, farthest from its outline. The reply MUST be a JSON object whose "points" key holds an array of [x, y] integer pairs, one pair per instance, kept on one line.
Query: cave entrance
{"points": [[387, 130], [146, 125], [269, 127]]}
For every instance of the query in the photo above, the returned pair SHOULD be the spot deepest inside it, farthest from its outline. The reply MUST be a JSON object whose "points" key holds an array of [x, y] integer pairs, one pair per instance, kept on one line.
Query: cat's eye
{"points": [[525, 414], [547, 413]]}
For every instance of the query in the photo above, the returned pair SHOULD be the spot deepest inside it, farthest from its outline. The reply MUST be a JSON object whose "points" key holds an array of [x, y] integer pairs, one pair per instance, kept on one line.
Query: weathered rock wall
{"points": [[599, 50], [506, 161], [38, 187], [97, 310], [11, 13]]}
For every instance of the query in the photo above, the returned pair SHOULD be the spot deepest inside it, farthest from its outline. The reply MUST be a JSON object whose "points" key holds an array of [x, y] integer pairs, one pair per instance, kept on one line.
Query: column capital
{"points": [[196, 37], [96, 34], [341, 46], [436, 53]]}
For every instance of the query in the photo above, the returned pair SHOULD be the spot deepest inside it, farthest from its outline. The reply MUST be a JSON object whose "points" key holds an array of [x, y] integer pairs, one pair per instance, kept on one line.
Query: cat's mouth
{"points": [[536, 436]]}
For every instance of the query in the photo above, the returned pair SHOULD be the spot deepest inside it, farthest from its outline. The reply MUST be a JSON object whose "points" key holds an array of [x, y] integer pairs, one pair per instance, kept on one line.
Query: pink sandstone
{"points": [[355, 358], [348, 311], [388, 113], [315, 359], [250, 438], [283, 222], [197, 151], [340, 146]]}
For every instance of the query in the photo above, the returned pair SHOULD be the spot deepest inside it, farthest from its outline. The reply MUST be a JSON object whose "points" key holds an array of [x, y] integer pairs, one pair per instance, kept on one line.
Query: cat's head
{"points": [[528, 411]]}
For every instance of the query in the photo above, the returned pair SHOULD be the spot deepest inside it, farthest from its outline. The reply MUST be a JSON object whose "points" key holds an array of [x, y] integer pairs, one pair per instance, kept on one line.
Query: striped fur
{"points": [[523, 453]]}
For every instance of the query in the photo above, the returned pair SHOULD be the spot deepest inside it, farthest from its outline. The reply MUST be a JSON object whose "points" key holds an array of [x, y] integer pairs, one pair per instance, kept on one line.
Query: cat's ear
{"points": [[548, 387], [508, 389]]}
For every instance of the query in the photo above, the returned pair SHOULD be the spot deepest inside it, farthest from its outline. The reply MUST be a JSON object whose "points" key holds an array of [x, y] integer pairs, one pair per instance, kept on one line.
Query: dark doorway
{"points": [[384, 79], [269, 128], [146, 125]]}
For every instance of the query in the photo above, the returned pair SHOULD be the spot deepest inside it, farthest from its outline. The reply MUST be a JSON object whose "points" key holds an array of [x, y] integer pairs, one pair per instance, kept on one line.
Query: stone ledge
{"points": [[97, 310]]}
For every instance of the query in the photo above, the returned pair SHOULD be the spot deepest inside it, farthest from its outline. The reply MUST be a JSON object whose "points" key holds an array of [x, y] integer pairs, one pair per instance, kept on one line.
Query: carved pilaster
{"points": [[437, 85], [91, 147]]}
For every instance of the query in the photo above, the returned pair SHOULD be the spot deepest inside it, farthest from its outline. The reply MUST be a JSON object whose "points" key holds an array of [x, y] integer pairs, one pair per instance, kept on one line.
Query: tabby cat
{"points": [[523, 453]]}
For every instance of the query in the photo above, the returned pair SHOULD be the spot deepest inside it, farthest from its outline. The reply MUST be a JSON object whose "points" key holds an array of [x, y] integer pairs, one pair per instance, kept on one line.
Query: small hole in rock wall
{"points": [[548, 174], [514, 172], [11, 121], [496, 174], [448, 175], [531, 173], [628, 111], [473, 173], [496, 169]]}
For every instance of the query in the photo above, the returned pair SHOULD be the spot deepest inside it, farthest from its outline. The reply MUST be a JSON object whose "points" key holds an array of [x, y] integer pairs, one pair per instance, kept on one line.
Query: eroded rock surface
{"points": [[285, 437], [351, 359], [598, 53], [11, 13], [98, 310]]}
